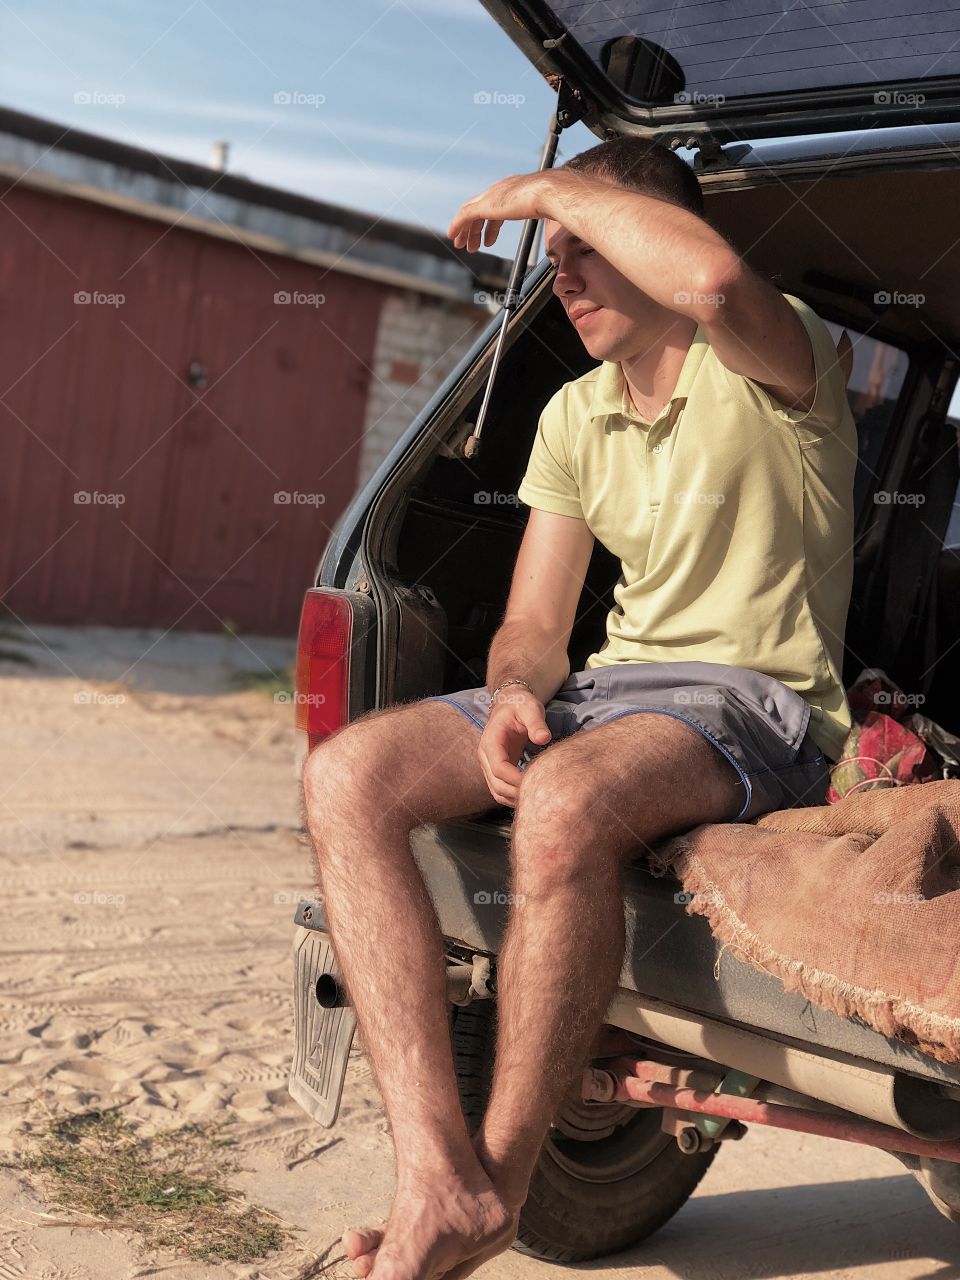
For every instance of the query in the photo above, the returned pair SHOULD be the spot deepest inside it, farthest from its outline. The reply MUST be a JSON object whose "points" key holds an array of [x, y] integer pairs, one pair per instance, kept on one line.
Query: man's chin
{"points": [[602, 344], [600, 348]]}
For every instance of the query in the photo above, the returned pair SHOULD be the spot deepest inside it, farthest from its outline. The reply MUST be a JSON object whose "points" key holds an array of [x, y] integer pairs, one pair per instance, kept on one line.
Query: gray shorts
{"points": [[759, 724]]}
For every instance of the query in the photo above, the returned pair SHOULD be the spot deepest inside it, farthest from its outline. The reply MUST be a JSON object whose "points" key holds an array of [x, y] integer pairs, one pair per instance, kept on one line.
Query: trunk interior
{"points": [[833, 240]]}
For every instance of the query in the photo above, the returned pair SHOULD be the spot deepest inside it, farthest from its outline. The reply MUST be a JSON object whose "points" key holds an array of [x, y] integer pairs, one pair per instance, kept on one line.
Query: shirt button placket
{"points": [[655, 472]]}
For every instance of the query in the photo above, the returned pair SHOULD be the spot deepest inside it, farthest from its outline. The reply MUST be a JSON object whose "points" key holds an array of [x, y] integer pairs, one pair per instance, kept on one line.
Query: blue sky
{"points": [[382, 113]]}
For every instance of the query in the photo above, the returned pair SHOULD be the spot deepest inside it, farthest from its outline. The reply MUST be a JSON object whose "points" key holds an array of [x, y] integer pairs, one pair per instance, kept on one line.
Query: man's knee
{"points": [[345, 771], [561, 827]]}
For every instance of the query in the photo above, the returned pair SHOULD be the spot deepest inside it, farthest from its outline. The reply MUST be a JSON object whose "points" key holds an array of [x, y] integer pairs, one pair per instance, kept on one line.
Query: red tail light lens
{"points": [[323, 664]]}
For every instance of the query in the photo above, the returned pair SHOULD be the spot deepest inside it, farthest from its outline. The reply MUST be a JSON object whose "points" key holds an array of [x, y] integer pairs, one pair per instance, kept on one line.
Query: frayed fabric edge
{"points": [[931, 1033]]}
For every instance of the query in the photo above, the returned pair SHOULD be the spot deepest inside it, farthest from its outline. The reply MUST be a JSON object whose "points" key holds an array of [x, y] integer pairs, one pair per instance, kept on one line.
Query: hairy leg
{"points": [[584, 807], [365, 789]]}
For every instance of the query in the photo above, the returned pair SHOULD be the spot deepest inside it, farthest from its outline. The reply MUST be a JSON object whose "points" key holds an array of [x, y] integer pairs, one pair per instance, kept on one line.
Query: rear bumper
{"points": [[672, 992], [671, 956]]}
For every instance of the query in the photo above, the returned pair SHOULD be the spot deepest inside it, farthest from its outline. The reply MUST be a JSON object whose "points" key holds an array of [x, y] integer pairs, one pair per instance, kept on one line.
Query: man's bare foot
{"points": [[434, 1228]]}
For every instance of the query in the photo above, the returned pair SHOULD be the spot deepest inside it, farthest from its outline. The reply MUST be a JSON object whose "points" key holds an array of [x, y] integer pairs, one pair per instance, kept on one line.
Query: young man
{"points": [[713, 451]]}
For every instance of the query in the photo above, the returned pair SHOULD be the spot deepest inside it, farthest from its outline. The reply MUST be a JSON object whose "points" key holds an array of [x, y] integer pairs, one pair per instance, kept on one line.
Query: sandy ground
{"points": [[150, 862]]}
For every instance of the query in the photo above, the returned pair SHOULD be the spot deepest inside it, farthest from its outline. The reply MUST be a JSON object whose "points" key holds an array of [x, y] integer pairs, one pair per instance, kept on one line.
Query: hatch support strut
{"points": [[568, 111]]}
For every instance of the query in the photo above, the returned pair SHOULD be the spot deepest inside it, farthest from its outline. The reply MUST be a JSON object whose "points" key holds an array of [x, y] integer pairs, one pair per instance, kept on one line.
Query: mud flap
{"points": [[322, 1037]]}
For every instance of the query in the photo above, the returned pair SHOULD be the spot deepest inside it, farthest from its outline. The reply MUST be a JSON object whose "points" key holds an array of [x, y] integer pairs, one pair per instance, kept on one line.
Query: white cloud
{"points": [[316, 121]]}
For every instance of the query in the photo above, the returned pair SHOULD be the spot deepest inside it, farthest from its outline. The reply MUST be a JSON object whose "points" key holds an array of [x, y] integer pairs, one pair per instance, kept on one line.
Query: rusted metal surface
{"points": [[641, 1083], [182, 526]]}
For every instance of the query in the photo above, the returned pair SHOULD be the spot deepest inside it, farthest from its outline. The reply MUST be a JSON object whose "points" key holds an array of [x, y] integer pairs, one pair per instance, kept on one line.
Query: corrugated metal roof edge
{"points": [[236, 235], [484, 268]]}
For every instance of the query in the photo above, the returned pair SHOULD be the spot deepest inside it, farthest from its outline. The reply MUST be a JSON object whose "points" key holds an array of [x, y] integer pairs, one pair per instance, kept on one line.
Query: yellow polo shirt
{"points": [[732, 518]]}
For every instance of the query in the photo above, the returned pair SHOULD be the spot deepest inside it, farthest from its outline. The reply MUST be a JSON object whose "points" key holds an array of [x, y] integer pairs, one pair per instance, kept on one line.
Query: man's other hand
{"points": [[516, 717]]}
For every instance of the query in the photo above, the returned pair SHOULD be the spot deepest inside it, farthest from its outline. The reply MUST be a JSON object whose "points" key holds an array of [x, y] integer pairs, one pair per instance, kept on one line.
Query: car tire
{"points": [[593, 1194]]}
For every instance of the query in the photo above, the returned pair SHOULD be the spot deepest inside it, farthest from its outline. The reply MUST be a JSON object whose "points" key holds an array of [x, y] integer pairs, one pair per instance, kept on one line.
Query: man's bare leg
{"points": [[365, 789], [583, 806]]}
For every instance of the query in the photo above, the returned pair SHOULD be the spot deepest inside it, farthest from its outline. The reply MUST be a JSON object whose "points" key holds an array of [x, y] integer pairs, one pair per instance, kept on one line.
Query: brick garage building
{"points": [[180, 346]]}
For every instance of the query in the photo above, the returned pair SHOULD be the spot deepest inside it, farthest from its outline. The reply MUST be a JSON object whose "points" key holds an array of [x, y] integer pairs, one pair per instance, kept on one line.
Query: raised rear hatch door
{"points": [[738, 69]]}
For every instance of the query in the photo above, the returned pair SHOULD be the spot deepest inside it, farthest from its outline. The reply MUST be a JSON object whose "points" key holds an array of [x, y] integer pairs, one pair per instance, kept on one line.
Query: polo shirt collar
{"points": [[610, 394]]}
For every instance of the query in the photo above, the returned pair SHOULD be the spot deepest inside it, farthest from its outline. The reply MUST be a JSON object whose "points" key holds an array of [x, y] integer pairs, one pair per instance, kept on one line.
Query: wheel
{"points": [[607, 1177]]}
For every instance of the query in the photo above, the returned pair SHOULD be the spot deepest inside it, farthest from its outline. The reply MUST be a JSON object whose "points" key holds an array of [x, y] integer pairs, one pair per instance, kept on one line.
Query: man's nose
{"points": [[566, 280]]}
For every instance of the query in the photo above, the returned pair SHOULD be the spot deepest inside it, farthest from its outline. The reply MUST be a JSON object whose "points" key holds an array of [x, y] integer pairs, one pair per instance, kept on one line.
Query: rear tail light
{"points": [[324, 652]]}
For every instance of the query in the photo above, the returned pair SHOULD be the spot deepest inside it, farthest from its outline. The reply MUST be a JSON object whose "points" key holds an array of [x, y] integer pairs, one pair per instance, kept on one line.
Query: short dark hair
{"points": [[642, 165]]}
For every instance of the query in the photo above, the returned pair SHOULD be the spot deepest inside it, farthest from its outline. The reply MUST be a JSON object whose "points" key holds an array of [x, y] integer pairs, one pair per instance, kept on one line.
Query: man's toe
{"points": [[358, 1241]]}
